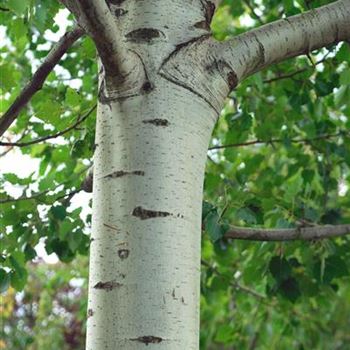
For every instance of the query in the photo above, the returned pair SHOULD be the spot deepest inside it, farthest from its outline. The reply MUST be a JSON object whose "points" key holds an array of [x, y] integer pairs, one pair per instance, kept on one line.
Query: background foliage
{"points": [[286, 164]]}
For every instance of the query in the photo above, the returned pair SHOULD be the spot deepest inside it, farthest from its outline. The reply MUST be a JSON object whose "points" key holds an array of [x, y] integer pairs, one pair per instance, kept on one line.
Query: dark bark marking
{"points": [[87, 184], [107, 286], [145, 214], [157, 122], [148, 339], [120, 12], [209, 9], [261, 52], [232, 80], [111, 227], [123, 253], [115, 2], [147, 87], [121, 173], [142, 35], [202, 25], [90, 313]]}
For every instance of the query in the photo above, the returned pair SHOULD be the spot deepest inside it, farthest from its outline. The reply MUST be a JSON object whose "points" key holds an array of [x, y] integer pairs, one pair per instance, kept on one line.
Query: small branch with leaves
{"points": [[39, 77], [45, 138], [272, 141]]}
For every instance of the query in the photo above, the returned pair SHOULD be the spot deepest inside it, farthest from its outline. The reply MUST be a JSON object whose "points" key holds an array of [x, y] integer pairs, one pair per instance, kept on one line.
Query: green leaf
{"points": [[19, 6], [280, 268], [212, 226], [4, 281], [289, 288], [246, 215], [59, 212], [29, 252]]}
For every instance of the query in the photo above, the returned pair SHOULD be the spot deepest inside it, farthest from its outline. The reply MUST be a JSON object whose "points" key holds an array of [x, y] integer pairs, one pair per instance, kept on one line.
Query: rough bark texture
{"points": [[158, 102]]}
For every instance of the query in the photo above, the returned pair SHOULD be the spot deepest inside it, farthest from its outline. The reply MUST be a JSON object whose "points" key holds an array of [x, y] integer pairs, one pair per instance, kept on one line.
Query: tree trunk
{"points": [[148, 175], [162, 84], [145, 251]]}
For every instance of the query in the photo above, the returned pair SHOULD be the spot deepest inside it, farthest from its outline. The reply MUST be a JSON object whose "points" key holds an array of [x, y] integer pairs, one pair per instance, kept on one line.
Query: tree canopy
{"points": [[279, 159]]}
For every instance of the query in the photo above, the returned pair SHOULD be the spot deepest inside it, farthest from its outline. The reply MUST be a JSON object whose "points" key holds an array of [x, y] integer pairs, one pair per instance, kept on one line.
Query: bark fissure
{"points": [[121, 173]]}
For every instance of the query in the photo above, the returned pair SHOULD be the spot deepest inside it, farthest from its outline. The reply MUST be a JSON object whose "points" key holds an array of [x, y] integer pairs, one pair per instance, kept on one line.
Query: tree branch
{"points": [[257, 142], [213, 68], [299, 71], [97, 20], [289, 234], [41, 139], [37, 81]]}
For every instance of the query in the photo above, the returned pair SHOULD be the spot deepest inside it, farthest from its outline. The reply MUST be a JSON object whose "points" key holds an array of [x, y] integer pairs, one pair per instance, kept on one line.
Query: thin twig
{"points": [[252, 10], [39, 77], [41, 139], [233, 284], [257, 142], [301, 70]]}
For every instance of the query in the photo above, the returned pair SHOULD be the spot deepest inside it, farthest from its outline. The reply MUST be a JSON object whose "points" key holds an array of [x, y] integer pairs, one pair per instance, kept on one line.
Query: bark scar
{"points": [[145, 214], [107, 286], [148, 339], [143, 35], [111, 227]]}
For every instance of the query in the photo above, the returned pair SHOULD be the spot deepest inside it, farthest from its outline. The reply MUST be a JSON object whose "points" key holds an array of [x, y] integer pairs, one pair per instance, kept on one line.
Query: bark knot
{"points": [[123, 253]]}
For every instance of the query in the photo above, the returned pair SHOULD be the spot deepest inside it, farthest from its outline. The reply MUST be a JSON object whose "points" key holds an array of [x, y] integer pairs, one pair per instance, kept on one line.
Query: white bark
{"points": [[148, 177], [145, 253]]}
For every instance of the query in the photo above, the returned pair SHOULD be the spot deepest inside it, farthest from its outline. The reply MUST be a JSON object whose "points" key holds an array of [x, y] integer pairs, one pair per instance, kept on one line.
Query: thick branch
{"points": [[300, 233], [287, 38], [37, 81], [215, 68], [96, 18]]}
